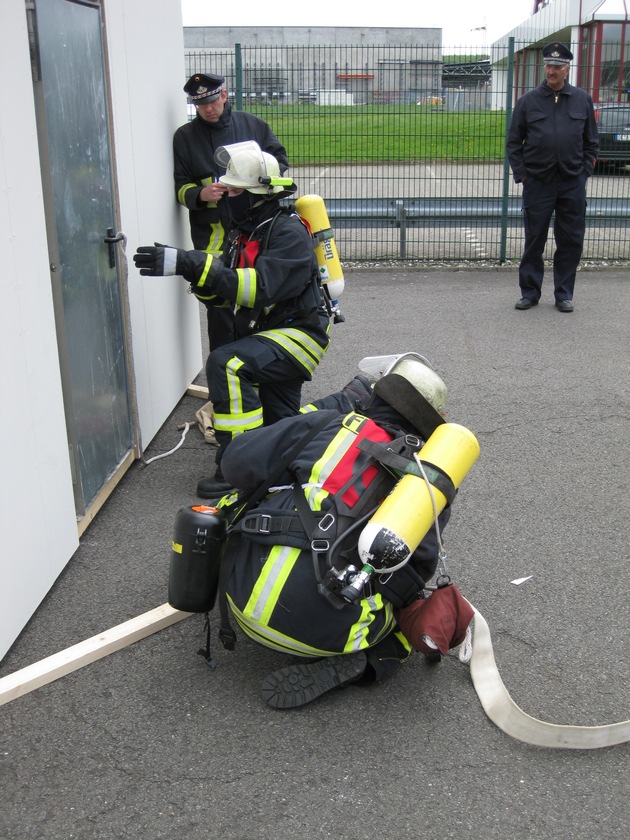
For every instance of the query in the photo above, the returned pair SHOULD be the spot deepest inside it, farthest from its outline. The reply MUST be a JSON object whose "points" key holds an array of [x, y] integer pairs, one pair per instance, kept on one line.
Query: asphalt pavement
{"points": [[149, 743]]}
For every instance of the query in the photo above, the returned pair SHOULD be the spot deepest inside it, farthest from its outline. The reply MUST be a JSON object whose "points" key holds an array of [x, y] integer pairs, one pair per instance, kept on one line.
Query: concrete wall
{"points": [[219, 37], [37, 514], [286, 63]]}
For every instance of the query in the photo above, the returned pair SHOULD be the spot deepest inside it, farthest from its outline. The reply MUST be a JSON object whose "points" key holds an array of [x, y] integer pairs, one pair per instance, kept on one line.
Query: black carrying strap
{"points": [[382, 453], [328, 533], [321, 532], [226, 633]]}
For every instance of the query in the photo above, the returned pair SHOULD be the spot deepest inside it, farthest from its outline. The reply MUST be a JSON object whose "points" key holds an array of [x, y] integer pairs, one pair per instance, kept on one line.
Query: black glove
{"points": [[158, 260]]}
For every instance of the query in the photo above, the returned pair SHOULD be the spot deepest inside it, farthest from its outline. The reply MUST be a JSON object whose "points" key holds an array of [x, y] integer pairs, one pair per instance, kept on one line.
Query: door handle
{"points": [[111, 239]]}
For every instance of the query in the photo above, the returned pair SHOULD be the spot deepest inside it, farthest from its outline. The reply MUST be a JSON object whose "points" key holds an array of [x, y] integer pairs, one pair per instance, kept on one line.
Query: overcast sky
{"points": [[457, 18]]}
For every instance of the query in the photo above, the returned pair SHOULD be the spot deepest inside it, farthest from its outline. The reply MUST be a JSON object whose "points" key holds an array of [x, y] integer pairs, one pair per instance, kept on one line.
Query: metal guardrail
{"points": [[404, 213], [395, 212]]}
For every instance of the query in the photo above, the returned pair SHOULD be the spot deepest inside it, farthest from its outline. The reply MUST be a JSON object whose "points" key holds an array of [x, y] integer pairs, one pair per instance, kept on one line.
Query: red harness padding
{"points": [[247, 251], [348, 470]]}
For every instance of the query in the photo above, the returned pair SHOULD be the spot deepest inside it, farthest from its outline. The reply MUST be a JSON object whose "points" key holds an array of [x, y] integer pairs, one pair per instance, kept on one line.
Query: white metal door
{"points": [[73, 126]]}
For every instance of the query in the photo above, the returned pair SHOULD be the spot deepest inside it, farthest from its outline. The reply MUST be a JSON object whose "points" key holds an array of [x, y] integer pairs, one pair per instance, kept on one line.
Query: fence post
{"points": [[506, 164], [401, 222], [238, 67]]}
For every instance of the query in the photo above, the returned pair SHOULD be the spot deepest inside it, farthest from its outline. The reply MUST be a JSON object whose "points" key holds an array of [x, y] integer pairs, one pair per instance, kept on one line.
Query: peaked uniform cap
{"points": [[203, 88], [557, 53]]}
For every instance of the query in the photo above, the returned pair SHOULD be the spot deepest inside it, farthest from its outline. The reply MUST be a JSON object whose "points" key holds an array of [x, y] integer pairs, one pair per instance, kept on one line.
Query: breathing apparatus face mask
{"points": [[240, 206]]}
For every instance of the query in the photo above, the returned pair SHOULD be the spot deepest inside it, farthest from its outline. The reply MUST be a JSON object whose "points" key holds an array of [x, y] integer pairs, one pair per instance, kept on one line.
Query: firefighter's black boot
{"points": [[296, 685], [213, 488]]}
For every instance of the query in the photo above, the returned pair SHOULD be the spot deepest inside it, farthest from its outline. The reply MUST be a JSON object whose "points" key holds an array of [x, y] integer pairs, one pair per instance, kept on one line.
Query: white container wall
{"points": [[38, 514]]}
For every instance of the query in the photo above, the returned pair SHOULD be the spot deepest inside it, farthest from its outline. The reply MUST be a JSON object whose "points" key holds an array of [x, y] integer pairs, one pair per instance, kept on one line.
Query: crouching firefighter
{"points": [[269, 276], [336, 529]]}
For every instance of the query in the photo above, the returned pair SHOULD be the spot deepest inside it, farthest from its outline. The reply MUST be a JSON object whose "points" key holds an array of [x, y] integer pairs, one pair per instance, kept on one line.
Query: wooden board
{"points": [[75, 657], [198, 391]]}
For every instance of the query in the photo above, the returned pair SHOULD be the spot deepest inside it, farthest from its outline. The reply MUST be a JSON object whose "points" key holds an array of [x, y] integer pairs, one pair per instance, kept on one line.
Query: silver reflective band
{"points": [[170, 261]]}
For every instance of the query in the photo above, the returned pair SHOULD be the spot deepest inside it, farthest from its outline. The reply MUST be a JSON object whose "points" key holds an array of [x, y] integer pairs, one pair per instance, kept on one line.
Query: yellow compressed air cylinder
{"points": [[400, 523], [313, 209]]}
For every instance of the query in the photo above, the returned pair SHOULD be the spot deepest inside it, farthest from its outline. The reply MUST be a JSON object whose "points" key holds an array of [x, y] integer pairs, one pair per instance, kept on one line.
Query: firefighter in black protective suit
{"points": [[269, 276], [197, 172], [336, 462]]}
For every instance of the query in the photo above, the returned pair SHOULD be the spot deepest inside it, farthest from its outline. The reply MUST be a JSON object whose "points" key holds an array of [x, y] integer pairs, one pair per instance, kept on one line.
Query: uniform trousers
{"points": [[252, 383], [220, 326], [565, 198]]}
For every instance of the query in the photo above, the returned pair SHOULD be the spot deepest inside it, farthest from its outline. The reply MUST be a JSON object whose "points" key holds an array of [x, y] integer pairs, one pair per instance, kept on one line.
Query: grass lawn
{"points": [[376, 134]]}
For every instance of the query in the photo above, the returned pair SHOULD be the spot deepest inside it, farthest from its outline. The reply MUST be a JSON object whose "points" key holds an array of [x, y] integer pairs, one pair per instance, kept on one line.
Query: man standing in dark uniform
{"points": [[196, 174], [552, 148]]}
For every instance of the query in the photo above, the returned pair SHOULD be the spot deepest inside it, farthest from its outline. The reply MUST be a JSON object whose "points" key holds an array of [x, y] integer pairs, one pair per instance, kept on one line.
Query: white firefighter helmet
{"points": [[249, 168], [415, 369]]}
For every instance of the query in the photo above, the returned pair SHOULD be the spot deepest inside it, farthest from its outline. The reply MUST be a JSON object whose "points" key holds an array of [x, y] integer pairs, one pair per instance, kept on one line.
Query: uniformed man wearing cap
{"points": [[197, 173], [552, 148]]}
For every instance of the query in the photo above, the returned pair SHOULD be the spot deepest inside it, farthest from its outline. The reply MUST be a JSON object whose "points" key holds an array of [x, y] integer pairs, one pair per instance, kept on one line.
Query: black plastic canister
{"points": [[196, 551]]}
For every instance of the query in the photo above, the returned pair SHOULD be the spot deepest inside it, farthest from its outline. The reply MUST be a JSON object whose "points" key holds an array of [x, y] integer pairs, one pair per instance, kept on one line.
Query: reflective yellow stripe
{"points": [[307, 409], [181, 193], [370, 607], [331, 456], [264, 597], [273, 639], [206, 269], [298, 344], [237, 420], [403, 640], [207, 297], [215, 241], [253, 619], [234, 384], [237, 423], [246, 290], [263, 600]]}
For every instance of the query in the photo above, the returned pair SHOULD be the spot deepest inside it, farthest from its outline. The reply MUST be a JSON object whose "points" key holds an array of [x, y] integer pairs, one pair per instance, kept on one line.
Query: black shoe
{"points": [[564, 305], [213, 488], [525, 303], [296, 685]]}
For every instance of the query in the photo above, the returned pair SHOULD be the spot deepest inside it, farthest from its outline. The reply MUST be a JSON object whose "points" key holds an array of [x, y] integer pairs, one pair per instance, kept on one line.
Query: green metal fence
{"points": [[406, 146]]}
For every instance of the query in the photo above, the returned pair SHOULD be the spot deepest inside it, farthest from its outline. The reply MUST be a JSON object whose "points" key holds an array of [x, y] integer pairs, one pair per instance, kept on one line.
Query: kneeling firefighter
{"points": [[269, 276], [350, 498]]}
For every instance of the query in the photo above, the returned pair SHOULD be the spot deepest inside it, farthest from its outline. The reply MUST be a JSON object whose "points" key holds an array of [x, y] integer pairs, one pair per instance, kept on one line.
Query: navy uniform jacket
{"points": [[194, 145], [548, 137]]}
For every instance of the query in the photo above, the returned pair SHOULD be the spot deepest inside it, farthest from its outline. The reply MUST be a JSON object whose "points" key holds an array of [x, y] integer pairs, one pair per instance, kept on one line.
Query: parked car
{"points": [[613, 123]]}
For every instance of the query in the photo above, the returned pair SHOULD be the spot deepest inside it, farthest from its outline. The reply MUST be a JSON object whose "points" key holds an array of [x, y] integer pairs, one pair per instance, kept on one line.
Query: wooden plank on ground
{"points": [[75, 657], [198, 391]]}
